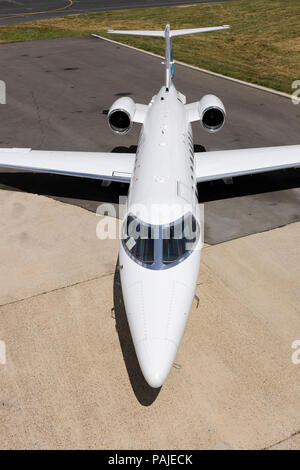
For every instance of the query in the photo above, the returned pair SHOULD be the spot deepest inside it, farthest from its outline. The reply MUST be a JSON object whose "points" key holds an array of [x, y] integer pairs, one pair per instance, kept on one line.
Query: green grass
{"points": [[263, 45]]}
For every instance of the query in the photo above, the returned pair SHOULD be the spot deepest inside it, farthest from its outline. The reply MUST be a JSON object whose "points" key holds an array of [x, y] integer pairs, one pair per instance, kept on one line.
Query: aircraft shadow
{"points": [[145, 394]]}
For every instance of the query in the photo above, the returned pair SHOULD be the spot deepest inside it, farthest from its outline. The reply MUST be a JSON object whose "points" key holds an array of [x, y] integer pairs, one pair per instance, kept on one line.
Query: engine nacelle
{"points": [[120, 115], [212, 113]]}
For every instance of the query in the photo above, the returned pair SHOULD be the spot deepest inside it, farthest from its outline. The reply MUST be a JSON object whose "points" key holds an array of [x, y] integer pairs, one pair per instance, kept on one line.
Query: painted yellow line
{"points": [[70, 3]]}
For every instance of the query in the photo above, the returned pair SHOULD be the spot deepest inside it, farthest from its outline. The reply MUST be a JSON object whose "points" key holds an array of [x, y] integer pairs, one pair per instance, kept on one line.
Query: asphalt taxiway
{"points": [[17, 11]]}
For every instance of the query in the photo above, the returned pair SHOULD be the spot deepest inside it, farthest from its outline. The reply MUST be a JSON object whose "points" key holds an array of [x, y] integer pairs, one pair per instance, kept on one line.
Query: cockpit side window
{"points": [[138, 241], [179, 239]]}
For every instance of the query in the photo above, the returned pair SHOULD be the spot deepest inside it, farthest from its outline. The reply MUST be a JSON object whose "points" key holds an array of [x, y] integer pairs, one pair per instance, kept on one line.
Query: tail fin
{"points": [[168, 34]]}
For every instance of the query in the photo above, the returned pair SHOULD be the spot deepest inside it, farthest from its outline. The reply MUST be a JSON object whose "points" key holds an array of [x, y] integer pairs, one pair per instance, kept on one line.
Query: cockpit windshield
{"points": [[160, 246]]}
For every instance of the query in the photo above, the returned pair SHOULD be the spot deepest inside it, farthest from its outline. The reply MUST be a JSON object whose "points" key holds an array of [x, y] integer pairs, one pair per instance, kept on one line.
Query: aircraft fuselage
{"points": [[159, 276]]}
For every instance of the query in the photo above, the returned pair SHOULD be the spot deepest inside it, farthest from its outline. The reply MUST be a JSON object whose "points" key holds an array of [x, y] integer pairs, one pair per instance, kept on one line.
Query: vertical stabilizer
{"points": [[168, 57], [168, 34]]}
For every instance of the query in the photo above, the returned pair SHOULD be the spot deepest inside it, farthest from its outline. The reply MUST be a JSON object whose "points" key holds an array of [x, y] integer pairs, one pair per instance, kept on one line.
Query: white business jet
{"points": [[162, 232]]}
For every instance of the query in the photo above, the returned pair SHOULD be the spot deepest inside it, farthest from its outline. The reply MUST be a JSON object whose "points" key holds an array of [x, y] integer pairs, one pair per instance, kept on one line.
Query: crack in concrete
{"points": [[57, 289], [283, 440]]}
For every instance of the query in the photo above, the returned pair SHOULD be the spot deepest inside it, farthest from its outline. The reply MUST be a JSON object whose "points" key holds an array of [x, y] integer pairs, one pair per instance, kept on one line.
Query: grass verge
{"points": [[262, 47]]}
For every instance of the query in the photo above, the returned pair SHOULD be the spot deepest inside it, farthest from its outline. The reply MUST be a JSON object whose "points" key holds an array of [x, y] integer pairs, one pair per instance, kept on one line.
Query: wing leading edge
{"points": [[96, 165], [229, 163]]}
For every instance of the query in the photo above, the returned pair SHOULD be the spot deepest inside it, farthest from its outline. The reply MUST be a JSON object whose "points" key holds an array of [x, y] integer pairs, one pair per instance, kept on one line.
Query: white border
{"points": [[236, 80]]}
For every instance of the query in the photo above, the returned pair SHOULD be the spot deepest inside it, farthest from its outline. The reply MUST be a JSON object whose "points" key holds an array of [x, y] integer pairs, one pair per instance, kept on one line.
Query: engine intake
{"points": [[212, 113], [121, 114]]}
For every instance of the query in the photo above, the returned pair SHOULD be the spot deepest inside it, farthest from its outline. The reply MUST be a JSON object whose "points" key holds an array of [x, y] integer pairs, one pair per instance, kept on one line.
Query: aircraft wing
{"points": [[96, 165], [228, 163]]}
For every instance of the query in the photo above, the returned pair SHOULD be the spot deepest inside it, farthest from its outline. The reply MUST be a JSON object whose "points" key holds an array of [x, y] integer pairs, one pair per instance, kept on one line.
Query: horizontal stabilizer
{"points": [[159, 34], [183, 32], [173, 33]]}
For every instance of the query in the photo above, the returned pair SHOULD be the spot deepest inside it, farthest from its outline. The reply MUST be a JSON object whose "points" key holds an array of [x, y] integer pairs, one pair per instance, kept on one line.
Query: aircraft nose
{"points": [[156, 357]]}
